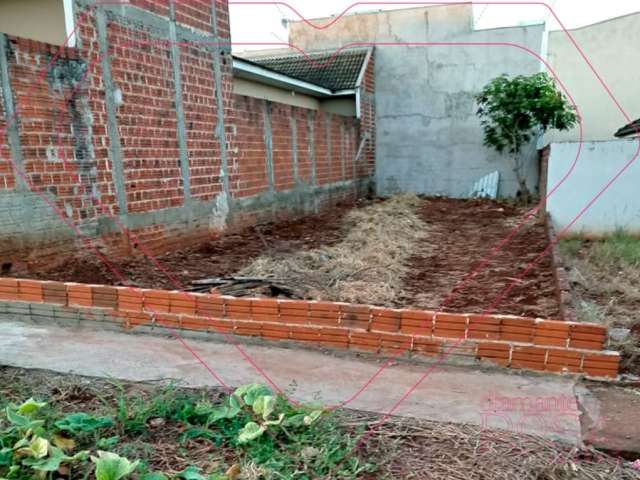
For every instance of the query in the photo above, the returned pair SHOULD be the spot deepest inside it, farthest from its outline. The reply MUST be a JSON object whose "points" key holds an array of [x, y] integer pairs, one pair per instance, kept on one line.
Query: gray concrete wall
{"points": [[429, 139]]}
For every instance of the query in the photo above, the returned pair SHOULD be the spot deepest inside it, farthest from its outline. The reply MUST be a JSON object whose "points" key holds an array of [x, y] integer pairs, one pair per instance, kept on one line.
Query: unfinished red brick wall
{"points": [[121, 138], [7, 178], [514, 342], [251, 174], [203, 148], [368, 118], [283, 171], [248, 170], [306, 148], [50, 118]]}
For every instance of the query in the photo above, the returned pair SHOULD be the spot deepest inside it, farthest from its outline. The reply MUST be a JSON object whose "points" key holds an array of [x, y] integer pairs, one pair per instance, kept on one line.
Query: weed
{"points": [[570, 247], [252, 428], [618, 249]]}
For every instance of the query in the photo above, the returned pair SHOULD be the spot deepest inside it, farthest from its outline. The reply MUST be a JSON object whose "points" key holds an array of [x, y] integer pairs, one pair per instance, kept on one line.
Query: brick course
{"points": [[335, 325]]}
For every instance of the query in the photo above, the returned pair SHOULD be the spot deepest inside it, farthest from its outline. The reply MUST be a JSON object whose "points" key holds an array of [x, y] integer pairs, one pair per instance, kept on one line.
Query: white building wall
{"points": [[618, 208], [612, 49]]}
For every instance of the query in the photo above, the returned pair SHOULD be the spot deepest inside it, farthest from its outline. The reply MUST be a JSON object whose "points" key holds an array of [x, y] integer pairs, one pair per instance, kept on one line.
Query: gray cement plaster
{"points": [[448, 394]]}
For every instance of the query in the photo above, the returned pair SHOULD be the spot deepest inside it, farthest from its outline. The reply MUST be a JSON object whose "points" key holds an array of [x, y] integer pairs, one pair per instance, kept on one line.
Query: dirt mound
{"points": [[365, 267]]}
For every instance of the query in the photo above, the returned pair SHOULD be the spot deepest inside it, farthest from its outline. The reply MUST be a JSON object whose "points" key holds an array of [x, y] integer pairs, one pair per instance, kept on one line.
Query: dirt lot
{"points": [[167, 431], [412, 257], [605, 281], [462, 233], [220, 257]]}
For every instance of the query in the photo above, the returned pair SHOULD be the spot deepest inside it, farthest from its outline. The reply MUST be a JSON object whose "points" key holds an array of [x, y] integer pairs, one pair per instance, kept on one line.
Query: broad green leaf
{"points": [[79, 457], [230, 409], [16, 419], [111, 466], [191, 473], [250, 431], [264, 406], [48, 464], [83, 423], [22, 443], [30, 407], [39, 447], [249, 393]]}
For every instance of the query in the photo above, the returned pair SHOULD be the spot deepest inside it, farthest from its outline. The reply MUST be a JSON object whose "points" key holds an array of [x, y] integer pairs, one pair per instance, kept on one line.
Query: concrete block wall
{"points": [[513, 342], [429, 64], [134, 139]]}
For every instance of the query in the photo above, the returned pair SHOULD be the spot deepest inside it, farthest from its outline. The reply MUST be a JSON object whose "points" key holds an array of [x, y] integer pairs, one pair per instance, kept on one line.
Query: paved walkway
{"points": [[452, 394]]}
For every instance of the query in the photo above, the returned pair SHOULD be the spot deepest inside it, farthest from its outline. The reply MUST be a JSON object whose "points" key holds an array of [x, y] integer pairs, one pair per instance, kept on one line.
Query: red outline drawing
{"points": [[473, 272]]}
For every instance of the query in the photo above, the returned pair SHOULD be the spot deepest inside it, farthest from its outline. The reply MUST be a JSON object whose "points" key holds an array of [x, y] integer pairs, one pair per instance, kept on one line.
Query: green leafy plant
{"points": [[513, 110], [27, 450], [111, 466], [79, 423], [267, 410], [266, 435]]}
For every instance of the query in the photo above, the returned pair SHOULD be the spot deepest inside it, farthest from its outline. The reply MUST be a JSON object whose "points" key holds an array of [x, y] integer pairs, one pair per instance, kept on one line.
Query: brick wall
{"points": [[122, 138], [368, 118], [513, 342]]}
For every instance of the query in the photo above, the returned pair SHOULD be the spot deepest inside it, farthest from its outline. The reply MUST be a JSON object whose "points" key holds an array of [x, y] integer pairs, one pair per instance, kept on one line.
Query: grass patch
{"points": [[570, 247], [618, 249], [605, 278]]}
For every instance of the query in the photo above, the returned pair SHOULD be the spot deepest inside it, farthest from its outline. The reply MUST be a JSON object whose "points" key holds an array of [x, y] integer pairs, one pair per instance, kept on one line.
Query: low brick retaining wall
{"points": [[514, 342]]}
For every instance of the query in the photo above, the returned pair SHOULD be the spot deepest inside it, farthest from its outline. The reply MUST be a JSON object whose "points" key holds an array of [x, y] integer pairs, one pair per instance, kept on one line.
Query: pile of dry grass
{"points": [[421, 449], [365, 267]]}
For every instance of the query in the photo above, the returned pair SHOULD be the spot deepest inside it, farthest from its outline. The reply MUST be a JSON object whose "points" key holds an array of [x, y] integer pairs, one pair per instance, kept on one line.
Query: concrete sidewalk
{"points": [[448, 394]]}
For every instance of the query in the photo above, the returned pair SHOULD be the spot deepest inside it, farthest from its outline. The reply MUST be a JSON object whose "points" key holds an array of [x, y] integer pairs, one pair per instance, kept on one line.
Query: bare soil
{"points": [[218, 257], [460, 233], [464, 232]]}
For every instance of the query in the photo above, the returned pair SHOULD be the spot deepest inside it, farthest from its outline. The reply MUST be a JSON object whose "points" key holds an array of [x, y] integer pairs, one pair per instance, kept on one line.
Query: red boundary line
{"points": [[492, 253]]}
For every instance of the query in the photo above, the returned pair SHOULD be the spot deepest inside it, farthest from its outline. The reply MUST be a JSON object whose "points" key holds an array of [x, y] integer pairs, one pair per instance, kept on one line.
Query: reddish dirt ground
{"points": [[462, 233], [217, 258]]}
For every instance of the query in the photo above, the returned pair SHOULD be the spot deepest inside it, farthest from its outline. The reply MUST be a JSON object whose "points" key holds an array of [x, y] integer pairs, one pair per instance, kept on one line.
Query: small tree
{"points": [[513, 110]]}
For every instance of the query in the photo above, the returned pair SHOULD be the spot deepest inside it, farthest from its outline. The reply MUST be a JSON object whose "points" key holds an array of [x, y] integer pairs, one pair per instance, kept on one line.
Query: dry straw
{"points": [[367, 266]]}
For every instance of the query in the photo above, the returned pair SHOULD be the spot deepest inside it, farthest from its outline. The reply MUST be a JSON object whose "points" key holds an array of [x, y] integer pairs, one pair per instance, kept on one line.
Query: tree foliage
{"points": [[513, 110]]}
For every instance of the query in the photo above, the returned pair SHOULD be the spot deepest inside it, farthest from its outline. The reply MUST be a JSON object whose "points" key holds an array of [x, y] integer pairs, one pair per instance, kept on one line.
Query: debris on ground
{"points": [[367, 266], [246, 287]]}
